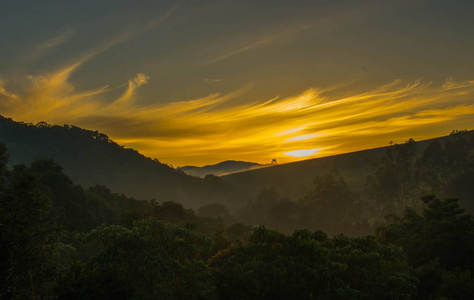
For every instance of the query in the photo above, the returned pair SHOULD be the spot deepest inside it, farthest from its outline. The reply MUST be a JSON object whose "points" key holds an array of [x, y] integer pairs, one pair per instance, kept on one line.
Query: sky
{"points": [[199, 82]]}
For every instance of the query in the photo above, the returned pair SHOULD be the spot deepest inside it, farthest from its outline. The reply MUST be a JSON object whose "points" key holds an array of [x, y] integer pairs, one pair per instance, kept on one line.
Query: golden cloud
{"points": [[201, 131]]}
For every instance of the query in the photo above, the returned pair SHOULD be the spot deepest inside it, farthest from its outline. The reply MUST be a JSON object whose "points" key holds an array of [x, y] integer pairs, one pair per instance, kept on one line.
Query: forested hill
{"points": [[91, 158], [294, 180], [352, 193]]}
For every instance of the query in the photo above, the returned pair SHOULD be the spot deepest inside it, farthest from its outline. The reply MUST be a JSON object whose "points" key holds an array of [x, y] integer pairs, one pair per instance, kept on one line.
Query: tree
{"points": [[155, 260], [257, 210], [330, 204], [394, 185], [439, 244], [28, 235], [217, 211], [308, 265], [443, 231]]}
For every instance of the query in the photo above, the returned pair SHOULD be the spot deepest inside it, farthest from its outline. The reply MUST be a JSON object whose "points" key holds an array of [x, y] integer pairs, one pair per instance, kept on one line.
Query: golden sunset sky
{"points": [[198, 82]]}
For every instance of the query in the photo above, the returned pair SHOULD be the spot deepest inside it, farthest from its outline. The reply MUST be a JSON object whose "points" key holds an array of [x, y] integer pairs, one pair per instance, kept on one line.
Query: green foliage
{"points": [[456, 284], [439, 244], [81, 282], [393, 185], [173, 212], [216, 211], [308, 265], [155, 259], [238, 233], [402, 177], [443, 231], [4, 157], [437, 282], [331, 206], [257, 210], [374, 270], [30, 253]]}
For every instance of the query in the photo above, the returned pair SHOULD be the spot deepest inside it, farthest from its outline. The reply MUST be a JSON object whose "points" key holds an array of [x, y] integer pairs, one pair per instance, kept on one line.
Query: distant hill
{"points": [[294, 180], [90, 158], [222, 168]]}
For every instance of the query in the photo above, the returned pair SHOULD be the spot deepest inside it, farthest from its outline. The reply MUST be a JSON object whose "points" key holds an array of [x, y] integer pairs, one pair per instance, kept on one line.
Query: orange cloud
{"points": [[201, 131]]}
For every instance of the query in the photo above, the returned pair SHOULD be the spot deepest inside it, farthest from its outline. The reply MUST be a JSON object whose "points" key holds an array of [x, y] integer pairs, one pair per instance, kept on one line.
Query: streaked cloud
{"points": [[253, 43], [451, 83], [316, 26], [209, 129], [126, 100], [51, 43], [302, 137]]}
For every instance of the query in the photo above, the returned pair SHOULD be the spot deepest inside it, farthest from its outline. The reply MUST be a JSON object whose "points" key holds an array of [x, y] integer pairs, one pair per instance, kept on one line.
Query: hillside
{"points": [[353, 193], [222, 168], [90, 158], [294, 180]]}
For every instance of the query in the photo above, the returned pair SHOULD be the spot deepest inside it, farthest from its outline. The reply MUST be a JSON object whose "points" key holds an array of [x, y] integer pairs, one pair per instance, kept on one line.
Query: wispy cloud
{"points": [[252, 42], [126, 100], [204, 130], [50, 94], [105, 44], [451, 84], [51, 43], [260, 42]]}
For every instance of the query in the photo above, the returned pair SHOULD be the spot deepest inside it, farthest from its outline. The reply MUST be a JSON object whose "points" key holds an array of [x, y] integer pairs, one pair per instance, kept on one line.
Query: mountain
{"points": [[222, 168], [90, 158]]}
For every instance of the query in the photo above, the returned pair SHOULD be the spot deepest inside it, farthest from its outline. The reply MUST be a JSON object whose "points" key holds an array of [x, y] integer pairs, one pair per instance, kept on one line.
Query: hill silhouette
{"points": [[294, 180], [222, 168], [90, 158]]}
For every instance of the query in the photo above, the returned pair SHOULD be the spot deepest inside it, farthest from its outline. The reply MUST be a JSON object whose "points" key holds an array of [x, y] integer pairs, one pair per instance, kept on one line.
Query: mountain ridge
{"points": [[90, 158], [221, 168]]}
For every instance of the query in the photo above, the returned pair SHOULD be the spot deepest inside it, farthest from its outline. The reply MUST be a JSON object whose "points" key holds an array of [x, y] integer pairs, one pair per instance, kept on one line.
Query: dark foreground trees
{"points": [[439, 244], [159, 260], [153, 260], [29, 258], [308, 265]]}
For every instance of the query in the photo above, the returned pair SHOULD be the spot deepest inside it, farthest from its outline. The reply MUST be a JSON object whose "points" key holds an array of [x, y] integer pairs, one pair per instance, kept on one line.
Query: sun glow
{"points": [[303, 153]]}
